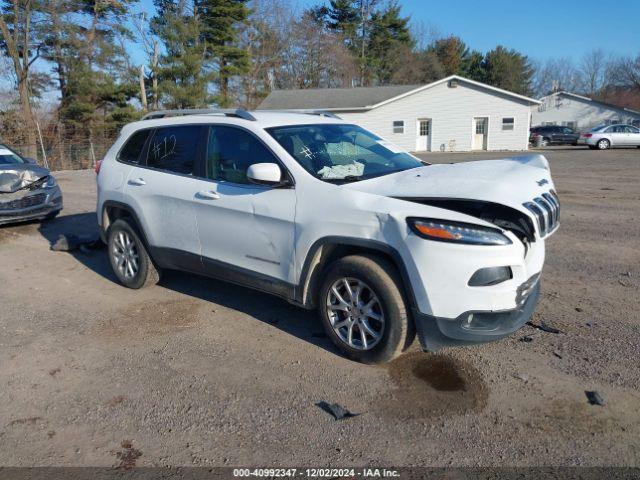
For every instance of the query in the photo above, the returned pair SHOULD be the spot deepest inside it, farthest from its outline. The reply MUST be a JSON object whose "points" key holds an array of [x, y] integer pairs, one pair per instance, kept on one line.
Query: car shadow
{"points": [[266, 308]]}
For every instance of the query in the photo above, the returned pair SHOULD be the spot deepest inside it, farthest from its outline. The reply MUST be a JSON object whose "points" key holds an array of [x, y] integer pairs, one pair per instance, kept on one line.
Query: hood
{"points": [[15, 177], [510, 181]]}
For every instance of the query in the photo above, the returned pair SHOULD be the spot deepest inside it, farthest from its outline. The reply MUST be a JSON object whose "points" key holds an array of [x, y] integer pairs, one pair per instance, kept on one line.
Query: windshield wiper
{"points": [[348, 178]]}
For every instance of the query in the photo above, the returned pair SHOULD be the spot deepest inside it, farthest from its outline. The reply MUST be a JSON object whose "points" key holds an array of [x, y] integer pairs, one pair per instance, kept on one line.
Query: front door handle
{"points": [[137, 181], [207, 195]]}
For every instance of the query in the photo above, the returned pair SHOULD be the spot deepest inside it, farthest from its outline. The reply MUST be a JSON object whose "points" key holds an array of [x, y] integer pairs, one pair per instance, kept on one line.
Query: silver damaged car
{"points": [[27, 191]]}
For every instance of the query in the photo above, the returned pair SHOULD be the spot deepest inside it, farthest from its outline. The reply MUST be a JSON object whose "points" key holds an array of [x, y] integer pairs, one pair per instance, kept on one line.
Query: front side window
{"points": [[507, 123], [338, 152], [175, 149], [231, 151], [398, 126], [132, 149]]}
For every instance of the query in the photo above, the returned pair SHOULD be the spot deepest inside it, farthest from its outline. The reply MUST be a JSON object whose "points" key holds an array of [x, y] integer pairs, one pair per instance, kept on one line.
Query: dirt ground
{"points": [[198, 372]]}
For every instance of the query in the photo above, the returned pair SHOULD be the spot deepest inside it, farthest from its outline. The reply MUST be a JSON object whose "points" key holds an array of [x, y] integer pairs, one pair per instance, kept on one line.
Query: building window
{"points": [[398, 126], [507, 123], [424, 128]]}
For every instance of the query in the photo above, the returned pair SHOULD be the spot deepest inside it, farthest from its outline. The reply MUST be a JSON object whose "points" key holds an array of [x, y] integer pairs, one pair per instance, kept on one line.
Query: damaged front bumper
{"points": [[476, 327], [25, 205]]}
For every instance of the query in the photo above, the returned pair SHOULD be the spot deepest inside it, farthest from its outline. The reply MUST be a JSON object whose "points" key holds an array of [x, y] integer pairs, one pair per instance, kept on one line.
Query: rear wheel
{"points": [[363, 309], [545, 142], [128, 256], [603, 144]]}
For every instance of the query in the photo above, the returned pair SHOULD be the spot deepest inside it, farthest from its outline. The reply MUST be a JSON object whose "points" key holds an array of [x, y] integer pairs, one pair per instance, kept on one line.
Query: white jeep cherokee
{"points": [[327, 215]]}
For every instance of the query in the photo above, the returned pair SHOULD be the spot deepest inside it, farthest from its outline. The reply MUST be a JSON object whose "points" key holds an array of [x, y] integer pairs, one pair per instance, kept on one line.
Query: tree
{"points": [[417, 67], [509, 70], [315, 58], [452, 53], [93, 69], [182, 79], [555, 75], [593, 67], [473, 66], [220, 21], [389, 36], [22, 41]]}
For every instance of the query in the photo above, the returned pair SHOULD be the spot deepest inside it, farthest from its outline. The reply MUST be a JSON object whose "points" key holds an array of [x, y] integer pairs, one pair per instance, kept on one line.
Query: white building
{"points": [[452, 114], [580, 113]]}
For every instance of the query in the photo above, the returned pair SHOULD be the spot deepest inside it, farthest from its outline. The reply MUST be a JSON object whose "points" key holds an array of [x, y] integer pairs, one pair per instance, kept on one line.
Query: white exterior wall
{"points": [[586, 114], [451, 111]]}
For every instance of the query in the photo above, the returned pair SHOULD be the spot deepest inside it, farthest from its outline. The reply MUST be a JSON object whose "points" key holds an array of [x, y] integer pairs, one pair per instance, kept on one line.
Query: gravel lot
{"points": [[198, 372]]}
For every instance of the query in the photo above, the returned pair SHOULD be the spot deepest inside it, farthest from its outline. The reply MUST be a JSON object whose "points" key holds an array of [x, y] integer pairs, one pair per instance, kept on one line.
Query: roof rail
{"points": [[229, 112], [321, 113]]}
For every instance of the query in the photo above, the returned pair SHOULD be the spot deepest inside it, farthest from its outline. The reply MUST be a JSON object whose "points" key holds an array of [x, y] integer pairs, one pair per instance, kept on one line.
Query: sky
{"points": [[540, 29]]}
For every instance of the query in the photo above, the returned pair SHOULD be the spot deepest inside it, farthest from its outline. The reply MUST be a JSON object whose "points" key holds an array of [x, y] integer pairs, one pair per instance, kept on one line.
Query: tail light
{"points": [[96, 168], [587, 135]]}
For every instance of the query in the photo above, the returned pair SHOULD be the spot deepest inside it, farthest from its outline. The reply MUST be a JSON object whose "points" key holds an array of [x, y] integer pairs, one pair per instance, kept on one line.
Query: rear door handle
{"points": [[207, 195], [137, 181]]}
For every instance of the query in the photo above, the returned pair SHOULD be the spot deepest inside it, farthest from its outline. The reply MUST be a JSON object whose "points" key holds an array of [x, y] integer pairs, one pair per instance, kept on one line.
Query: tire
{"points": [[124, 248], [380, 286], [603, 144], [545, 142]]}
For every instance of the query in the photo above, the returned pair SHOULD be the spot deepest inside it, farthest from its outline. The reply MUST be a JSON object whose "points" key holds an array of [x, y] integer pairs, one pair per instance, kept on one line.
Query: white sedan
{"points": [[608, 136]]}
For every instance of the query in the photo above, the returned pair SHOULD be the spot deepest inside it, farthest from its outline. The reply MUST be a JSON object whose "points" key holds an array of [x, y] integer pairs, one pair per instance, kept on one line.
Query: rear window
{"points": [[132, 149], [175, 148]]}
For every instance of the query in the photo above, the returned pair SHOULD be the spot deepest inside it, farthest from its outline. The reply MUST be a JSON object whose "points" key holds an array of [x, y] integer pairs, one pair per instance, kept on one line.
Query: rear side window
{"points": [[175, 148], [132, 149], [231, 151]]}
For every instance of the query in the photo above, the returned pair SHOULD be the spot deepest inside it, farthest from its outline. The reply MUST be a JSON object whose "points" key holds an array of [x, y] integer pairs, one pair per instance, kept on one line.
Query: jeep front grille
{"points": [[546, 210]]}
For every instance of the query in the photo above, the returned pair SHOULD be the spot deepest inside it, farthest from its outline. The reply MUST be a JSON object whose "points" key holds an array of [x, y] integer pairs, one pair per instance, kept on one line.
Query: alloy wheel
{"points": [[355, 313], [125, 254]]}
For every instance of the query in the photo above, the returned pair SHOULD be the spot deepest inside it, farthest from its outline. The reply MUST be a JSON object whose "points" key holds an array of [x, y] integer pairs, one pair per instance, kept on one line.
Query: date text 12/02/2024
{"points": [[316, 472]]}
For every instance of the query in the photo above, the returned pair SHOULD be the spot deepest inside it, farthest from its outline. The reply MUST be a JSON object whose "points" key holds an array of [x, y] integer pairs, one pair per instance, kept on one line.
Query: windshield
{"points": [[7, 157], [339, 153], [598, 128]]}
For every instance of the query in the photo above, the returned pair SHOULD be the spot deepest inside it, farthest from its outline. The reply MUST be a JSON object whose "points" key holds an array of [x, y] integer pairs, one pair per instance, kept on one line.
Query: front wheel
{"points": [[604, 144], [128, 256], [363, 309]]}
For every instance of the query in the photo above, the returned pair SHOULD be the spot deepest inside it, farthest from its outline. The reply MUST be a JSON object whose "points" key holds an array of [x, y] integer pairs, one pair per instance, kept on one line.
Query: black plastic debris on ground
{"points": [[338, 411], [526, 339], [544, 327], [594, 398], [69, 243]]}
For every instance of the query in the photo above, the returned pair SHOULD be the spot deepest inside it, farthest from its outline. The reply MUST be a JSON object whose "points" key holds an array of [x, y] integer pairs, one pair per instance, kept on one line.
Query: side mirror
{"points": [[30, 160], [265, 174]]}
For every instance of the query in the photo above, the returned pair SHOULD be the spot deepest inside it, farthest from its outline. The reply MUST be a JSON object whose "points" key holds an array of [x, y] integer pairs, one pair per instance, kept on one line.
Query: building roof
{"points": [[588, 99], [360, 98], [333, 98]]}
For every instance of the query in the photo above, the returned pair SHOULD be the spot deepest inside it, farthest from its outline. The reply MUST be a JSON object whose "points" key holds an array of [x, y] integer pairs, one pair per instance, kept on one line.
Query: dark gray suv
{"points": [[555, 135]]}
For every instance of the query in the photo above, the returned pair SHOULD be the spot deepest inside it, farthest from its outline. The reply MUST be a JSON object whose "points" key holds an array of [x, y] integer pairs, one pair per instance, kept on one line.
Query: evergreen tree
{"points": [[182, 79], [390, 35], [452, 53], [220, 21], [344, 18], [508, 69], [90, 64], [472, 66]]}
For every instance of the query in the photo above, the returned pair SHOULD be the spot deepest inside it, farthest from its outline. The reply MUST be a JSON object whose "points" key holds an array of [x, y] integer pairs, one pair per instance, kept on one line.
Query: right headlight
{"points": [[456, 232]]}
